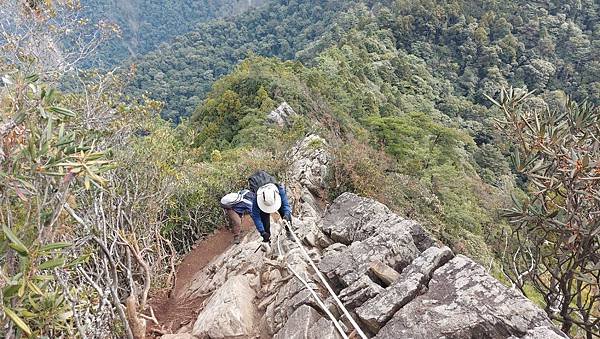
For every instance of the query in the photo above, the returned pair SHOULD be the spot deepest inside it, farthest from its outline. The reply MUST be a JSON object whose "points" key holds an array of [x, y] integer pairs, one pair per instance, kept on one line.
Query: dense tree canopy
{"points": [[477, 48], [143, 25]]}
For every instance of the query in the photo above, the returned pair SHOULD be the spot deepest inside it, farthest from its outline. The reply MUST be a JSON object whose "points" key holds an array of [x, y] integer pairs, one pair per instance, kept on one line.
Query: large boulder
{"points": [[379, 310], [371, 233], [353, 218], [230, 312], [463, 301]]}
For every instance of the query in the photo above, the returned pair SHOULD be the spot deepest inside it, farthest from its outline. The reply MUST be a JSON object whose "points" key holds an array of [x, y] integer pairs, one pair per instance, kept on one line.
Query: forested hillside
{"points": [[145, 24], [479, 47], [182, 72]]}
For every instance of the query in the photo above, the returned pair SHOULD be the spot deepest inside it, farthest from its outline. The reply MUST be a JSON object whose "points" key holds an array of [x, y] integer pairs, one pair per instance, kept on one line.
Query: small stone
{"points": [[382, 271]]}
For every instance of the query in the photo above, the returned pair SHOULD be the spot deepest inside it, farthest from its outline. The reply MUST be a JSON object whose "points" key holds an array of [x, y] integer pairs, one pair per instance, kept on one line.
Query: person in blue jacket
{"points": [[235, 206], [270, 198]]}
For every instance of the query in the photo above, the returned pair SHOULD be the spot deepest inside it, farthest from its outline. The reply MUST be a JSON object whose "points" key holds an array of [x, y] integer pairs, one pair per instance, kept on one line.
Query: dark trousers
{"points": [[266, 219], [235, 220]]}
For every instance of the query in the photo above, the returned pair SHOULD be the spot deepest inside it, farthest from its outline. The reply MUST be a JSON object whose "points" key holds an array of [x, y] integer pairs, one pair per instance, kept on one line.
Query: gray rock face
{"points": [[359, 291], [230, 311], [299, 323], [414, 279], [463, 301], [429, 261], [380, 309], [323, 329], [352, 218], [372, 233], [542, 332], [281, 115], [393, 246]]}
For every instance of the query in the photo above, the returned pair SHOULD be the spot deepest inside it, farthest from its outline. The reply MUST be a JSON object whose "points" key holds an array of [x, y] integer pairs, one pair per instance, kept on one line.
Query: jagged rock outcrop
{"points": [[281, 115], [392, 276], [463, 301]]}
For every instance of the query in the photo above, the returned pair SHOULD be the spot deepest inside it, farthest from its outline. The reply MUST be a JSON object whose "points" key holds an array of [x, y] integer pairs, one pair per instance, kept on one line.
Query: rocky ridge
{"points": [[393, 277]]}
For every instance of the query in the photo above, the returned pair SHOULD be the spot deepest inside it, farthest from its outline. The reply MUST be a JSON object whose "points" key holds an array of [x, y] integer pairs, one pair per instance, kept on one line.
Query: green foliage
{"points": [[556, 225], [181, 73], [144, 25], [461, 52], [31, 298], [417, 142], [43, 161], [234, 113]]}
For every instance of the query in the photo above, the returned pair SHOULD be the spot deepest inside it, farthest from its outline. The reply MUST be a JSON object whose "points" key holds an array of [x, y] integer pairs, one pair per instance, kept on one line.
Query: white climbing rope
{"points": [[320, 302], [312, 291], [324, 281]]}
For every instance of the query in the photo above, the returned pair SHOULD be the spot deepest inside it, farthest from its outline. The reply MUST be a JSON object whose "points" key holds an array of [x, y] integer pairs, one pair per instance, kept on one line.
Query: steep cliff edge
{"points": [[392, 276]]}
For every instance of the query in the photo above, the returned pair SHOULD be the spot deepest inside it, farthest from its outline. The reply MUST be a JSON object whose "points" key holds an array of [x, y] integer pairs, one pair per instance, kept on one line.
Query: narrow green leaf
{"points": [[20, 249], [52, 263], [32, 78], [492, 100], [54, 246], [62, 111], [18, 321], [18, 245], [10, 291], [33, 287], [78, 261]]}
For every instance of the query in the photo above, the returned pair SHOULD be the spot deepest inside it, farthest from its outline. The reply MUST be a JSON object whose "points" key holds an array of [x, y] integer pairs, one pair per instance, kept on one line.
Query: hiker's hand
{"points": [[288, 217], [266, 236]]}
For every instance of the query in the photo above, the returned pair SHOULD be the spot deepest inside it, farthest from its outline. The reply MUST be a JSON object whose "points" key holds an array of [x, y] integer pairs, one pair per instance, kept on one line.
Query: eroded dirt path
{"points": [[173, 313]]}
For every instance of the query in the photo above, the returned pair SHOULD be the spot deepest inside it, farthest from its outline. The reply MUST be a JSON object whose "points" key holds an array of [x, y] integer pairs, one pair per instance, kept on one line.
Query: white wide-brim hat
{"points": [[268, 198]]}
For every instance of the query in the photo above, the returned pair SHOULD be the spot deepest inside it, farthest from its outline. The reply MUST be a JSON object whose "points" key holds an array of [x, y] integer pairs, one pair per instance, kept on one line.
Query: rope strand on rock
{"points": [[319, 301], [324, 281]]}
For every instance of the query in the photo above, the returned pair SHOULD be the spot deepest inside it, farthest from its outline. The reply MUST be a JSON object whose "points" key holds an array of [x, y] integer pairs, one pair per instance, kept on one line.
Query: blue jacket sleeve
{"points": [[285, 205], [256, 216]]}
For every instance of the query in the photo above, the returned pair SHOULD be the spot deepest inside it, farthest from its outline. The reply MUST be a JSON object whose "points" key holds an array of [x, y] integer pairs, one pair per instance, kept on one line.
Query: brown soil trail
{"points": [[173, 313]]}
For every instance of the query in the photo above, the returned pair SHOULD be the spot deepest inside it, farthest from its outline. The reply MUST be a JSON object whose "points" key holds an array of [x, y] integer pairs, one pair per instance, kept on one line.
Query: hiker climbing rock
{"points": [[270, 198], [236, 205]]}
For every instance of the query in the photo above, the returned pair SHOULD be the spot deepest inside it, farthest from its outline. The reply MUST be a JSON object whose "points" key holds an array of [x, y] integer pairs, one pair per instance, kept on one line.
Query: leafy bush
{"points": [[554, 245], [44, 162]]}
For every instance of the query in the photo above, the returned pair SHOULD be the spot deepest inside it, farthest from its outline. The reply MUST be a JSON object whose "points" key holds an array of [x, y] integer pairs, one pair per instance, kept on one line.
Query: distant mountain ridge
{"points": [[182, 72], [145, 24]]}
